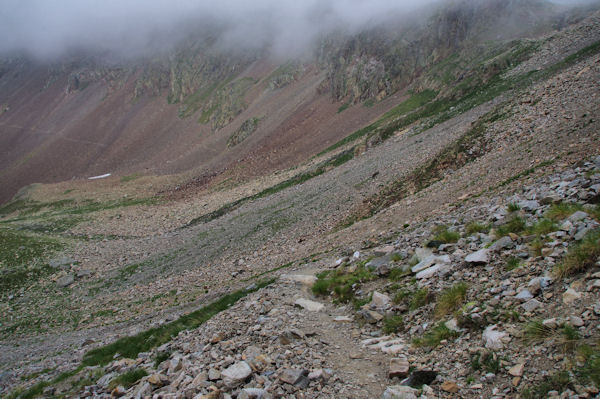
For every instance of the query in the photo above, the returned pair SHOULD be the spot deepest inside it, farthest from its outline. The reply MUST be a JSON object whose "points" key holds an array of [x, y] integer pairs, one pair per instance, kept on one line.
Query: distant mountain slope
{"points": [[182, 112]]}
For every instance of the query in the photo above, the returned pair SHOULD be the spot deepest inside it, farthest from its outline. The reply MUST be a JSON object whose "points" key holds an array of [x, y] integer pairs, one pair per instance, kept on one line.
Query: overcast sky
{"points": [[46, 28]]}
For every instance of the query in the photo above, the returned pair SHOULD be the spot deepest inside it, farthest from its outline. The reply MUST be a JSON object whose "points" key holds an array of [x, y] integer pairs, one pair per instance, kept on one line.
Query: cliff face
{"points": [[177, 111]]}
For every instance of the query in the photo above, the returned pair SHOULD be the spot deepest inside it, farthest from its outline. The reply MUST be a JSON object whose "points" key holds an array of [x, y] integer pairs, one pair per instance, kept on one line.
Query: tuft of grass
{"points": [[393, 324], [512, 263], [556, 382], [450, 299], [487, 361], [542, 227], [341, 283], [589, 371], [443, 234], [513, 207], [419, 298], [536, 331], [536, 246], [569, 337], [515, 224], [562, 210], [397, 274], [128, 379], [131, 346], [475, 227], [580, 257], [161, 357], [433, 337]]}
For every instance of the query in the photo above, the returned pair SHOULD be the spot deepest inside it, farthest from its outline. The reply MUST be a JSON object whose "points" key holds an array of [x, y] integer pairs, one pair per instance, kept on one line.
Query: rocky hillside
{"points": [[440, 241]]}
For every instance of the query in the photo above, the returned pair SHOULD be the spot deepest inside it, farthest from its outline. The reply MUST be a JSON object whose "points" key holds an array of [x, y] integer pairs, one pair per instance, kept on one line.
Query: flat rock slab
{"points": [[65, 281], [480, 257], [237, 372], [309, 305]]}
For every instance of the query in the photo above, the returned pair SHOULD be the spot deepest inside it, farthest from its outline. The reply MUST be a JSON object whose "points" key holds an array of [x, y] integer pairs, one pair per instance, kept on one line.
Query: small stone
{"points": [[399, 392], [516, 381], [517, 370], [479, 257], [576, 321], [370, 316], [236, 373], [524, 296], [449, 386], [342, 319], [213, 374], [399, 367], [49, 391], [504, 243], [303, 279], [158, 380], [577, 216], [309, 305], [292, 376], [380, 301], [65, 281], [529, 206], [570, 296], [493, 339], [531, 305], [550, 323]]}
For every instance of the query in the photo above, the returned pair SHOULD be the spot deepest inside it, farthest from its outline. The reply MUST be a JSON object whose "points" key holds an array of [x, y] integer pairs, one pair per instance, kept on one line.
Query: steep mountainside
{"points": [[178, 112]]}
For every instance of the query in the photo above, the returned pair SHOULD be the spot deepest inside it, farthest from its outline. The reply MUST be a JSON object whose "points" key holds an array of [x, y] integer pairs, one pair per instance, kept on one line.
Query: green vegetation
{"points": [[589, 371], [542, 227], [21, 258], [536, 331], [342, 284], [512, 263], [160, 357], [419, 298], [443, 234], [343, 107], [513, 207], [393, 324], [397, 274], [475, 227], [128, 178], [486, 361], [526, 172], [436, 335], [243, 132], [556, 382], [131, 346], [516, 224], [128, 379], [407, 106], [562, 210], [450, 299], [580, 257], [38, 388]]}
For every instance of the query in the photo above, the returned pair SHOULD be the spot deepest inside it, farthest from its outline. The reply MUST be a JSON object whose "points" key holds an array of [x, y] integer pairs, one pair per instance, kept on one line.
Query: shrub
{"points": [[556, 382], [536, 331], [342, 284]]}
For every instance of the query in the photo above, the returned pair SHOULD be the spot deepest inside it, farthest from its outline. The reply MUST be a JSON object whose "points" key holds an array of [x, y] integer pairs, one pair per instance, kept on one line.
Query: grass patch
{"points": [[419, 298], [393, 324], [556, 382], [433, 337], [486, 361], [38, 388], [407, 106], [580, 257], [562, 210], [128, 379], [397, 274], [450, 299], [525, 173], [513, 207], [343, 107], [342, 284], [516, 224], [475, 227], [536, 331], [589, 371], [542, 227], [512, 263], [131, 346], [128, 178], [443, 234], [21, 258]]}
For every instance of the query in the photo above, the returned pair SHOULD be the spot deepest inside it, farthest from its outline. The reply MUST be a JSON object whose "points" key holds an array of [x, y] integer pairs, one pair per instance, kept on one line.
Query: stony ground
{"points": [[139, 268]]}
